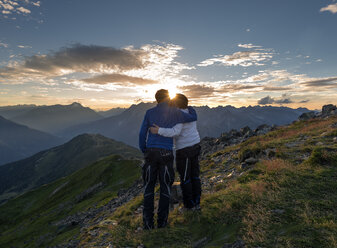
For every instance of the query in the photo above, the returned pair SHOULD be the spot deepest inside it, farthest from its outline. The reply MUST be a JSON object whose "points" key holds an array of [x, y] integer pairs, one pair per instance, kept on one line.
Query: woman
{"points": [[186, 139]]}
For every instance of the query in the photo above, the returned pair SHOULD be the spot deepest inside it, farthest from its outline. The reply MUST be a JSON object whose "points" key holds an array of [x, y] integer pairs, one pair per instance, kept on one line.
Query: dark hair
{"points": [[181, 101], [162, 95]]}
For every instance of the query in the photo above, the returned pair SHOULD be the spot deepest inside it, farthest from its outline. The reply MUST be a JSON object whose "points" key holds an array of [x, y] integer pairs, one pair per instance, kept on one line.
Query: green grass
{"points": [[28, 217], [281, 202], [288, 200]]}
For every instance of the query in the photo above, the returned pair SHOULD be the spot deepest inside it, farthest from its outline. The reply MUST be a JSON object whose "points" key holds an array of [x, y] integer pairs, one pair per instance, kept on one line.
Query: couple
{"points": [[169, 119]]}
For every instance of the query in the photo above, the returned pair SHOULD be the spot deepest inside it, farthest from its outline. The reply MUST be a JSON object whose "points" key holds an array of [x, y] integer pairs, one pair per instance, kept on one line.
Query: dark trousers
{"points": [[158, 163], [188, 167]]}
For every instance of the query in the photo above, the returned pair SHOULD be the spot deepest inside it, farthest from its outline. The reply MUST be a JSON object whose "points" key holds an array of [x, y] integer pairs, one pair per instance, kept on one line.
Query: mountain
{"points": [[49, 165], [111, 112], [124, 127], [11, 111], [53, 118], [39, 217], [211, 121], [18, 141], [274, 189]]}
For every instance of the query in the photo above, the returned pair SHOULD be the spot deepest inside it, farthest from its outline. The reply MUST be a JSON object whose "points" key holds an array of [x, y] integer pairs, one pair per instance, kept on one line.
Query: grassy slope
{"points": [[26, 218], [287, 201]]}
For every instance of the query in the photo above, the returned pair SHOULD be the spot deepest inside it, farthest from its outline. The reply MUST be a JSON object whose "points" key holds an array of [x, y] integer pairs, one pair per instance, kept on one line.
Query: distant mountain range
{"points": [[12, 111], [18, 141], [211, 121], [49, 165], [111, 112], [54, 118]]}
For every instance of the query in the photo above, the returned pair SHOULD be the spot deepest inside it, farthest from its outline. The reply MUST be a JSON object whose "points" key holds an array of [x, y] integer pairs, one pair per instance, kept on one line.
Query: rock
{"points": [[236, 244], [270, 152], [319, 143], [140, 246], [244, 166], [334, 139], [307, 116], [200, 242], [110, 246], [278, 211], [328, 110], [263, 129], [251, 160]]}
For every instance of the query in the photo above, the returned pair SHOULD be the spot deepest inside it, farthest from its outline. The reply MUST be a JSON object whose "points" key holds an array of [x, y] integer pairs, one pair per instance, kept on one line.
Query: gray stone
{"points": [[329, 109], [251, 160], [200, 242], [307, 116], [236, 244], [244, 166], [278, 211]]}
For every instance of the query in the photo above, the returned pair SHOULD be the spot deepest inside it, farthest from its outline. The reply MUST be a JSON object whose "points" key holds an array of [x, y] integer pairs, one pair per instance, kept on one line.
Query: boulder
{"points": [[251, 160], [307, 116], [328, 110]]}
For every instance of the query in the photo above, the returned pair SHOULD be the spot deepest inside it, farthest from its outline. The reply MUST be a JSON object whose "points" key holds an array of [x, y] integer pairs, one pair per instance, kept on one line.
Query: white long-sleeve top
{"points": [[184, 134]]}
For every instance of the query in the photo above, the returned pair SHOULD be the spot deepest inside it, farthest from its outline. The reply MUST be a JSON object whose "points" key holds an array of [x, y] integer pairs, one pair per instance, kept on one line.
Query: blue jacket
{"points": [[166, 116]]}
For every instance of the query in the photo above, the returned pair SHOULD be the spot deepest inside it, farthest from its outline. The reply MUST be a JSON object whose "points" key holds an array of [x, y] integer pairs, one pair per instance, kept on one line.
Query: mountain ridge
{"points": [[19, 141], [51, 164]]}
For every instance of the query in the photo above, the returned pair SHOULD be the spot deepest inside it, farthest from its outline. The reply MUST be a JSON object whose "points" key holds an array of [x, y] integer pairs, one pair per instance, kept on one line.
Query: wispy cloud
{"points": [[242, 58], [249, 45], [17, 7], [118, 79], [198, 91], [3, 44], [269, 100], [331, 7]]}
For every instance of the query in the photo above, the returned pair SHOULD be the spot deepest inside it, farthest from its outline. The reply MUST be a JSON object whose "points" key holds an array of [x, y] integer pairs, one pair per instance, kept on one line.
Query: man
{"points": [[159, 156], [187, 139]]}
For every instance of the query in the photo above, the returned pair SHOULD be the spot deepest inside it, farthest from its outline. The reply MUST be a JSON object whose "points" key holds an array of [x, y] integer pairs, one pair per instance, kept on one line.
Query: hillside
{"points": [[274, 189], [211, 121], [39, 217], [54, 118], [49, 165], [18, 141]]}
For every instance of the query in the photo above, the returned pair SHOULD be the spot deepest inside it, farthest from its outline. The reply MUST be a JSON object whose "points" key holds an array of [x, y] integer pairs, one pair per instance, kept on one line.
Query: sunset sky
{"points": [[111, 53]]}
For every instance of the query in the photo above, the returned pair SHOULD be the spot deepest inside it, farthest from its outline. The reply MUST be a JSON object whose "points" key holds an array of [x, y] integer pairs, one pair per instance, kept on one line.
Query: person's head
{"points": [[180, 101], [162, 96]]}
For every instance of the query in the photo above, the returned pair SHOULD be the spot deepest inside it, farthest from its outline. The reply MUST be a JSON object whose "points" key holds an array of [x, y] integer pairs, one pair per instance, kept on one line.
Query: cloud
{"points": [[3, 45], [76, 58], [276, 88], [266, 100], [17, 7], [22, 46], [243, 58], [24, 10], [330, 82], [331, 7], [197, 90], [248, 46], [269, 100], [304, 101], [118, 79]]}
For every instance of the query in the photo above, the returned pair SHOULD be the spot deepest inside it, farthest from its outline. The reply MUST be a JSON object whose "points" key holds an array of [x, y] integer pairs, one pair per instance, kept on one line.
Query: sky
{"points": [[107, 54]]}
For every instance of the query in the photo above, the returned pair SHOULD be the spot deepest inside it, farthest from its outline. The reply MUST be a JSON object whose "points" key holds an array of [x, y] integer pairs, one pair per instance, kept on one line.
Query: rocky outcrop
{"points": [[327, 111], [211, 145]]}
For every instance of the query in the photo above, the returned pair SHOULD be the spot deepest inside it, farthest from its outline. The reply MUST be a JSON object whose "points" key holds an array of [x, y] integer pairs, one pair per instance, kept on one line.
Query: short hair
{"points": [[162, 95], [181, 101]]}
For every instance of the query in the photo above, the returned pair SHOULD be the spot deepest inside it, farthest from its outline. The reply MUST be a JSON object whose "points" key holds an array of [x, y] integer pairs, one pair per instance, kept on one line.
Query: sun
{"points": [[172, 91]]}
